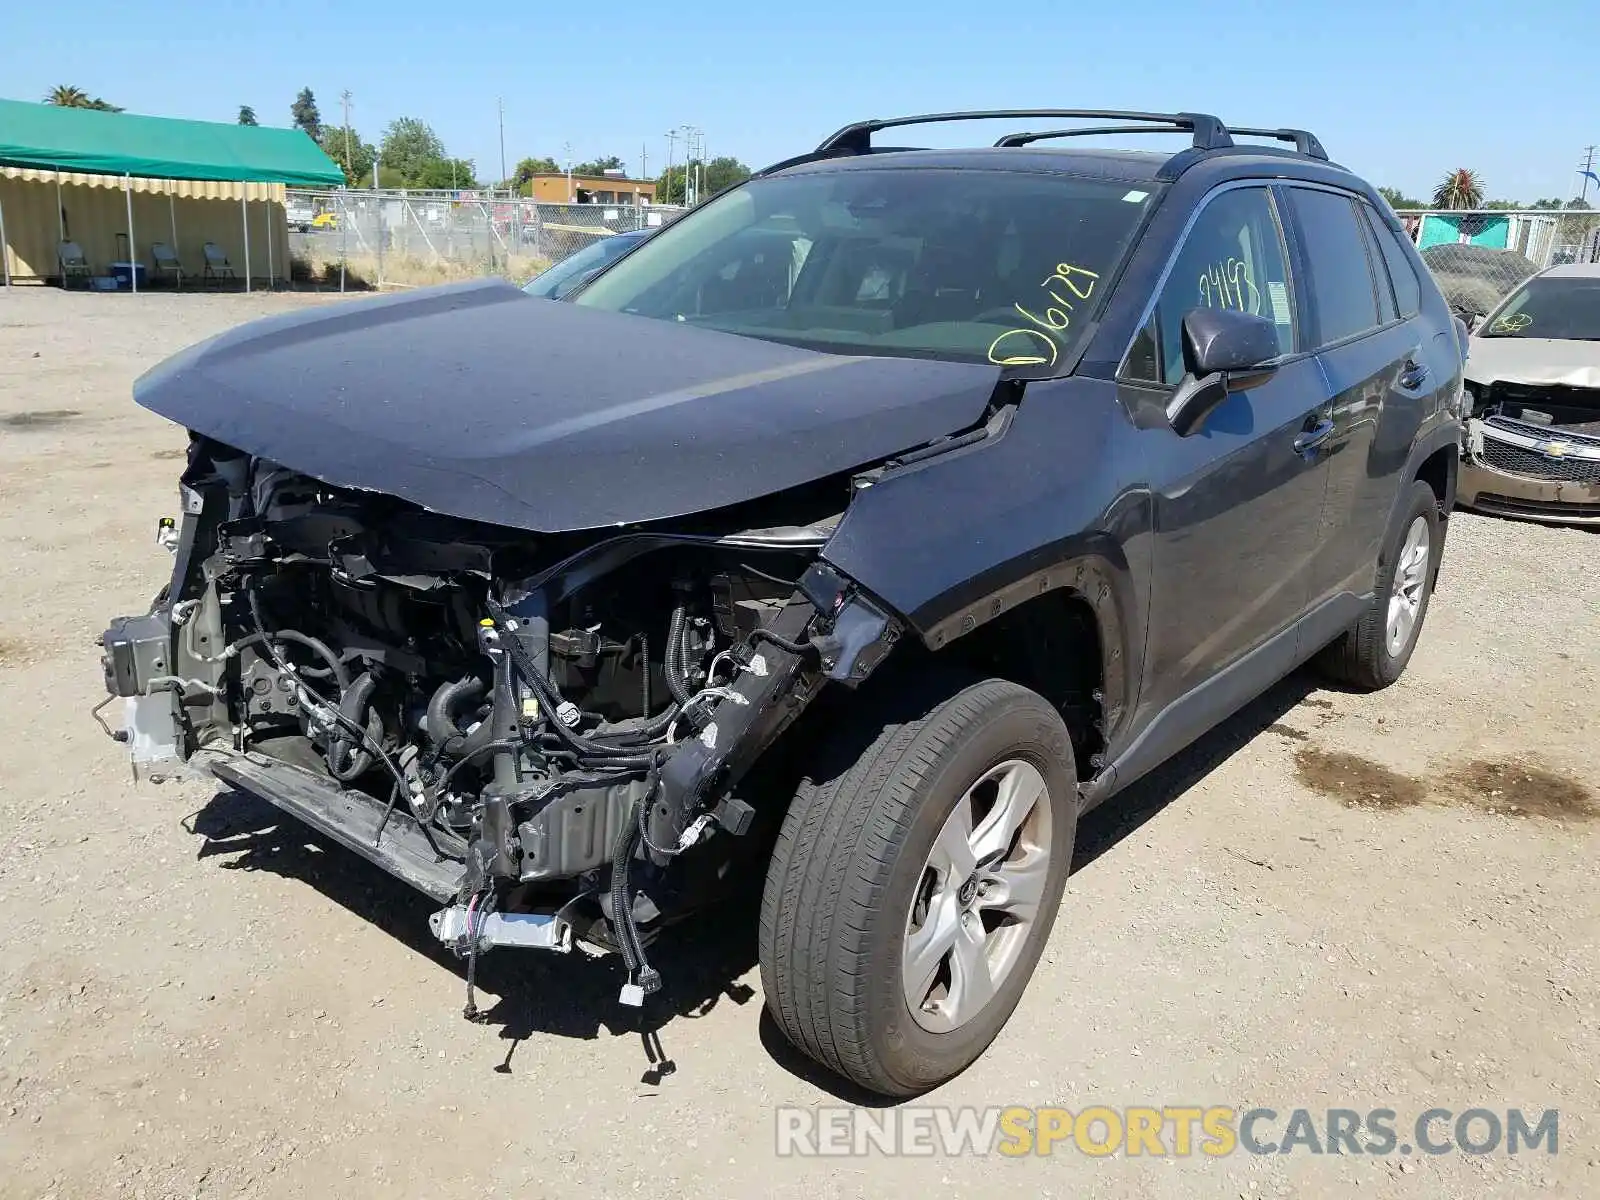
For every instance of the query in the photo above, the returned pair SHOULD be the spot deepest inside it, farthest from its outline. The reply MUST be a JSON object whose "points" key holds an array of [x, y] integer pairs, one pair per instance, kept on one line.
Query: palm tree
{"points": [[247, 115], [1459, 189], [64, 96]]}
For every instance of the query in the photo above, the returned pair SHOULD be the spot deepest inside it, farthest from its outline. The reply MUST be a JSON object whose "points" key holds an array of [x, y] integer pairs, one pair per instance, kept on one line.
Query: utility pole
{"points": [[344, 96], [1588, 171], [672, 144], [644, 161], [566, 149], [502, 104], [691, 193]]}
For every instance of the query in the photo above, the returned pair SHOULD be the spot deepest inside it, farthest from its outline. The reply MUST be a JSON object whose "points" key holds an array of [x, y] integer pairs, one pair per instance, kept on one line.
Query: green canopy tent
{"points": [[45, 137]]}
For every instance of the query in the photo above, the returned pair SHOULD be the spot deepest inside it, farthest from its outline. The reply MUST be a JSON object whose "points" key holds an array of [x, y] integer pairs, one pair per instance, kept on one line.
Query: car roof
{"points": [[1573, 271], [1129, 166]]}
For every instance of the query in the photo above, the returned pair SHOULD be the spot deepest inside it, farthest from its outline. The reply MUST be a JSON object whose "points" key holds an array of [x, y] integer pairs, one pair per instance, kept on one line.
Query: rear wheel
{"points": [[1374, 653], [915, 881]]}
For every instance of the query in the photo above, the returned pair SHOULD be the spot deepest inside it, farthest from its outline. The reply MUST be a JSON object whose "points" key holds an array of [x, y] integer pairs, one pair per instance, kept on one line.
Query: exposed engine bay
{"points": [[1533, 451], [542, 731], [1550, 406]]}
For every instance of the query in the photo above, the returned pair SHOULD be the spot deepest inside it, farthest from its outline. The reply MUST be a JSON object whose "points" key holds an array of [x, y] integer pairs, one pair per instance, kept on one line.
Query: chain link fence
{"points": [[356, 239], [1479, 257]]}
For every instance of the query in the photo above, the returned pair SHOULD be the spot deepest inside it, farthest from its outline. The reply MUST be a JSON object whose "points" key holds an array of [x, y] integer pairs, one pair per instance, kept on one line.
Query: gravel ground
{"points": [[1333, 901]]}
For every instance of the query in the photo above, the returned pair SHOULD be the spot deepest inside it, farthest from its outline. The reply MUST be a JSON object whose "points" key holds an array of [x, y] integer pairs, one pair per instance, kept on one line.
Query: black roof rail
{"points": [[1027, 139], [1304, 141], [1209, 133]]}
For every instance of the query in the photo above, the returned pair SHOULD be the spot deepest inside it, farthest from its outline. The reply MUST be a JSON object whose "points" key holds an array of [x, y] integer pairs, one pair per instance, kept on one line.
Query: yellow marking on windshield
{"points": [[1043, 329], [1018, 358], [1512, 323]]}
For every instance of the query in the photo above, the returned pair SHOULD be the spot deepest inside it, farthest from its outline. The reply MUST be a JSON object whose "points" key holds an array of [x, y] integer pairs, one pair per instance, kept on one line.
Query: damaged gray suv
{"points": [[853, 535]]}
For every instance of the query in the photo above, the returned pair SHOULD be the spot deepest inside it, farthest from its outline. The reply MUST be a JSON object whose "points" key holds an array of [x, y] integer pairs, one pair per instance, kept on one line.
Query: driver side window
{"points": [[1233, 258]]}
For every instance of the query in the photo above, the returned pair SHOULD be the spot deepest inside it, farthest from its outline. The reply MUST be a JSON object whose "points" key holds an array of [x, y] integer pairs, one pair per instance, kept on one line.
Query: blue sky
{"points": [[1398, 90]]}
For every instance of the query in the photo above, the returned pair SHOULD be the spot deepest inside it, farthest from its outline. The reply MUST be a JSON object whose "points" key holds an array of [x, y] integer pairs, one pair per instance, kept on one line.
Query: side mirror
{"points": [[1224, 350]]}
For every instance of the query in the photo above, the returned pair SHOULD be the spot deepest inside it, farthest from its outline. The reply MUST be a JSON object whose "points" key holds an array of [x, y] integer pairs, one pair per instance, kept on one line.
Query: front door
{"points": [[1237, 504]]}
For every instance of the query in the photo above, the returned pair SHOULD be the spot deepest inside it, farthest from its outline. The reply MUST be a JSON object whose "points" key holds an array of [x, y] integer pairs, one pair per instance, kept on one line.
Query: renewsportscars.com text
{"points": [[1176, 1131]]}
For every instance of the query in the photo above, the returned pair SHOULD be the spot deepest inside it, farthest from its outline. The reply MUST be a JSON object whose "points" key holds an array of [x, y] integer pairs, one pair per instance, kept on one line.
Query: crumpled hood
{"points": [[1544, 362], [480, 402]]}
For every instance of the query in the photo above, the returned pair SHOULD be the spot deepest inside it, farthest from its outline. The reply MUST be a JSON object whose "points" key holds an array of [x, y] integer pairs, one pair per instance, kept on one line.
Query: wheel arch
{"points": [[1062, 630]]}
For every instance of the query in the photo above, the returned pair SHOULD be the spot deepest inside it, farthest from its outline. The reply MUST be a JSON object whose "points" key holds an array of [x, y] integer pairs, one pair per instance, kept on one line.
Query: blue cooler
{"points": [[126, 272]]}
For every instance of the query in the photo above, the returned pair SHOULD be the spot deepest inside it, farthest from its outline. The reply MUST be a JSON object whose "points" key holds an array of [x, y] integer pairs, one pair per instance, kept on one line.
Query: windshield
{"points": [[1550, 307], [554, 282], [975, 266]]}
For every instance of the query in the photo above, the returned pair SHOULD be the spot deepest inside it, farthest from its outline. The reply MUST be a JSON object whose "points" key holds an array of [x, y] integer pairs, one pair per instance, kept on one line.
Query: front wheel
{"points": [[1375, 652], [915, 881]]}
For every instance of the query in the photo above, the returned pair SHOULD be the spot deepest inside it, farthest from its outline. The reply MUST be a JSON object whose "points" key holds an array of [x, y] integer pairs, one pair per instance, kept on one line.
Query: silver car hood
{"points": [[1543, 362]]}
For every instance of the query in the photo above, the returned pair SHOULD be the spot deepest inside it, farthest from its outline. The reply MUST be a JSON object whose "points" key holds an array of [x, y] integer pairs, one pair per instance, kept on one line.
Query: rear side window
{"points": [[1380, 273], [1233, 258], [1407, 291], [1341, 280]]}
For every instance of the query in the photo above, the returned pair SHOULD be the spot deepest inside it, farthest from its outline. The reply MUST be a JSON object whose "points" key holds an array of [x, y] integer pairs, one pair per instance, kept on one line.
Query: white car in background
{"points": [[1532, 396]]}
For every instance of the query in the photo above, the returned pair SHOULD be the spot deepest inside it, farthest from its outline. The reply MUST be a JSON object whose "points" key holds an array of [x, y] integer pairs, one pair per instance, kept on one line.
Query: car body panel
{"points": [[480, 402], [1018, 514], [1543, 361]]}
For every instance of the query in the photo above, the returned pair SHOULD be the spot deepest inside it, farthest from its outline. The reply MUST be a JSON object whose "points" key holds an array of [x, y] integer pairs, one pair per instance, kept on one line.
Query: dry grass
{"points": [[361, 271]]}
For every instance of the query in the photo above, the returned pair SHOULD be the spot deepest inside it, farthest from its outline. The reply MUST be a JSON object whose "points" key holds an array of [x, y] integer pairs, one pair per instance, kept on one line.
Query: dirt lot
{"points": [[1335, 901]]}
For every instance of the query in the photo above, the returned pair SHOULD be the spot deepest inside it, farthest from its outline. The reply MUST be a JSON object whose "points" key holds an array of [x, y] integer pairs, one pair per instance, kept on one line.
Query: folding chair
{"points": [[164, 261], [73, 263], [217, 265]]}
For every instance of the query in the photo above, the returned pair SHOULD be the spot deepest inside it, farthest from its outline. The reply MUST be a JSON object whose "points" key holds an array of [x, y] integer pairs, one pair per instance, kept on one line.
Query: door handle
{"points": [[1309, 439], [1413, 375]]}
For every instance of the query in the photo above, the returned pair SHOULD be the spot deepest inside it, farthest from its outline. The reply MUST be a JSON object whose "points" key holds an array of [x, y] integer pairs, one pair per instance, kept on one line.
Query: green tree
{"points": [[347, 149], [441, 173], [522, 177], [720, 173], [305, 114], [1398, 199], [713, 177], [1502, 204], [247, 115], [600, 166], [409, 147], [1547, 202], [670, 186], [66, 96], [1459, 189], [1578, 203]]}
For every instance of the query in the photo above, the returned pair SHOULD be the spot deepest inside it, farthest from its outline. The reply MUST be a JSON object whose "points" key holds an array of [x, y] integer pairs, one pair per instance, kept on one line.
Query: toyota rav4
{"points": [[862, 529]]}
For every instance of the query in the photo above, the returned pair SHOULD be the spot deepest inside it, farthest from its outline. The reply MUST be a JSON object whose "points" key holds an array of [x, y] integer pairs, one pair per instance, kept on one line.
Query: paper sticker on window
{"points": [[1278, 294], [1135, 197]]}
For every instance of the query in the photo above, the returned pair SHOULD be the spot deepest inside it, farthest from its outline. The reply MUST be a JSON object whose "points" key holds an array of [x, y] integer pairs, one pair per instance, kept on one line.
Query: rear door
{"points": [[1376, 363]]}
